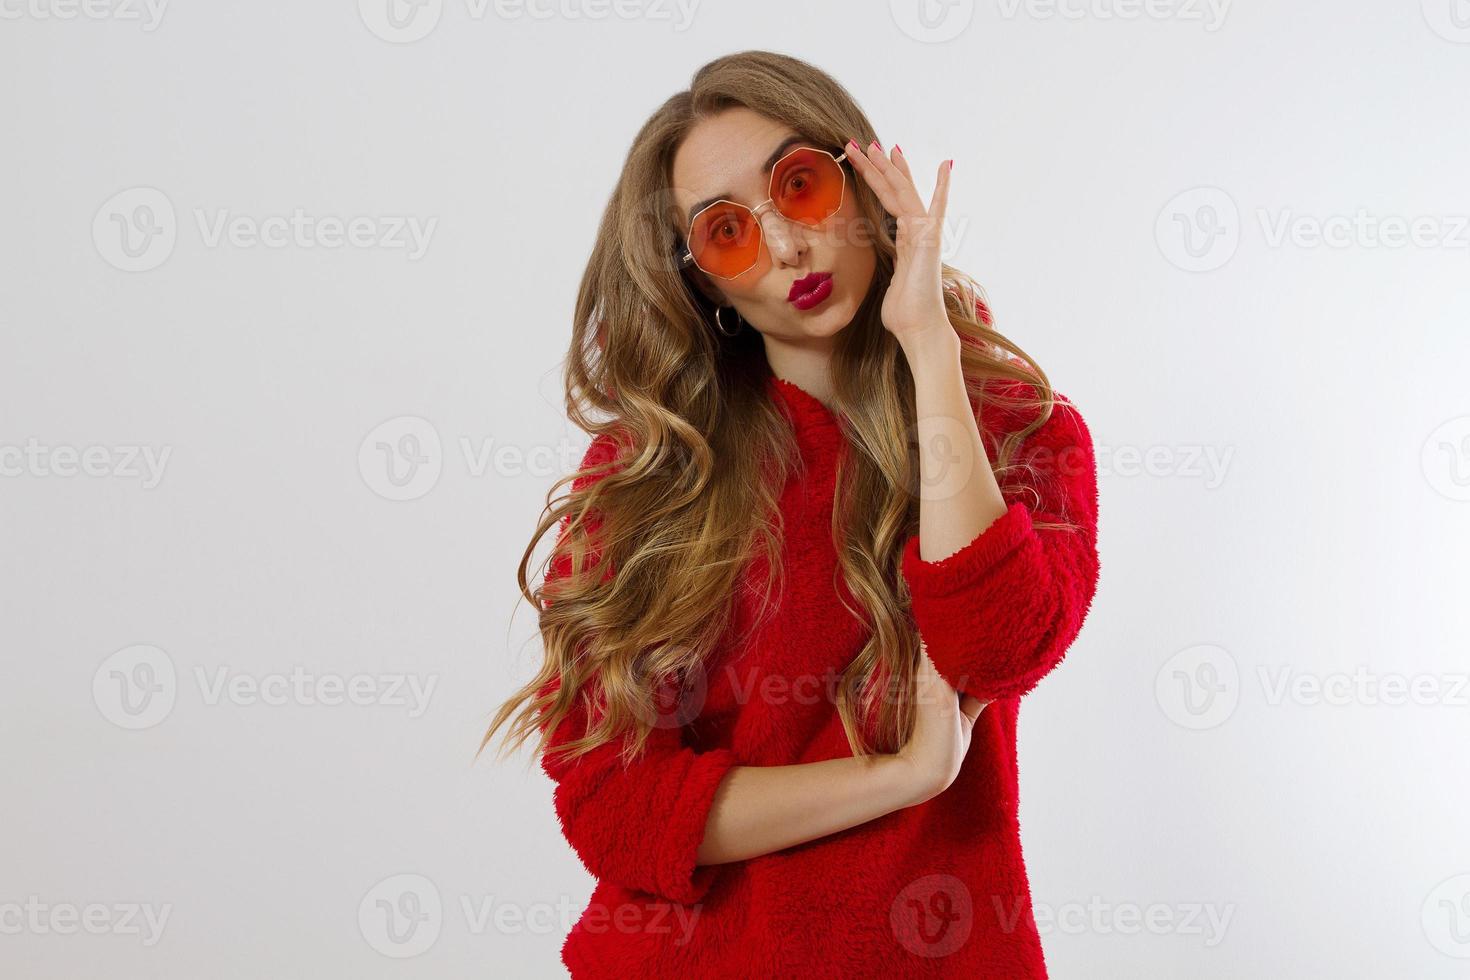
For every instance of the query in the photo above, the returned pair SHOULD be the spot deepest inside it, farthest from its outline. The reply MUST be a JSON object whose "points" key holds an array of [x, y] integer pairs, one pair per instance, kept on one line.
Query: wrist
{"points": [[908, 782], [937, 345]]}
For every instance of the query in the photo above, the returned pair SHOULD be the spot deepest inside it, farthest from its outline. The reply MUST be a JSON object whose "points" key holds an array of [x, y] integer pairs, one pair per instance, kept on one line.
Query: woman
{"points": [[787, 625]]}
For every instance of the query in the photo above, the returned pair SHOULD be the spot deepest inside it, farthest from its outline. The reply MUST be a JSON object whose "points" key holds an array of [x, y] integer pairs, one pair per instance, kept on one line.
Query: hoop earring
{"points": [[720, 324]]}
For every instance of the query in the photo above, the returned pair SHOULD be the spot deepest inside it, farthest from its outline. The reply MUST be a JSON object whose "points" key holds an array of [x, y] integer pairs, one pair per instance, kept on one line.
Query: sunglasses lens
{"points": [[725, 239], [807, 186]]}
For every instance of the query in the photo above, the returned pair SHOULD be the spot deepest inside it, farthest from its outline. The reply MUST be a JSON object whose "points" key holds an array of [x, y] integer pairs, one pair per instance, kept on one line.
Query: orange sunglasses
{"points": [[724, 238]]}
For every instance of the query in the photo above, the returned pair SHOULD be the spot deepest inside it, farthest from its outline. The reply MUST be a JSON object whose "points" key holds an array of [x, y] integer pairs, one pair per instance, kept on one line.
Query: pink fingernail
{"points": [[897, 148]]}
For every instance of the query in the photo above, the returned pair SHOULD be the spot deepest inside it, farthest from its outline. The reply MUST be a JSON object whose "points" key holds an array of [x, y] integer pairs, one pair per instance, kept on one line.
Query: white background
{"points": [[1165, 777]]}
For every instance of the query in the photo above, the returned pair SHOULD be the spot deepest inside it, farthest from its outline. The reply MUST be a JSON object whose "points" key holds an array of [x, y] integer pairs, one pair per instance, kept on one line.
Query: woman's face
{"points": [[725, 157]]}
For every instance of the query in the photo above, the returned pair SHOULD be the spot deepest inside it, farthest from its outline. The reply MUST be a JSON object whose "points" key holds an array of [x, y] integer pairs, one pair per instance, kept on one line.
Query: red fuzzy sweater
{"points": [[933, 890]]}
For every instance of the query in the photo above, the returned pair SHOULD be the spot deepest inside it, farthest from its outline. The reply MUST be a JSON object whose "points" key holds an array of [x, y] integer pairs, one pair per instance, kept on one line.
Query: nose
{"points": [[784, 238]]}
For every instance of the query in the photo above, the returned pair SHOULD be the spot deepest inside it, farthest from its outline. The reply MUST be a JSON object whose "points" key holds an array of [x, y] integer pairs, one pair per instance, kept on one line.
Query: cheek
{"points": [[856, 255], [747, 288], [853, 236]]}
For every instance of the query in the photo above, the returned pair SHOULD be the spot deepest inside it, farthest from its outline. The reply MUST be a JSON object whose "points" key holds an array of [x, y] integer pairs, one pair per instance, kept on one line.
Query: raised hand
{"points": [[914, 302]]}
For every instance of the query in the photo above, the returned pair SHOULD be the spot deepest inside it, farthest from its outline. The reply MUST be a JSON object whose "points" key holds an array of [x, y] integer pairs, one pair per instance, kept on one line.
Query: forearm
{"points": [[760, 809], [959, 495]]}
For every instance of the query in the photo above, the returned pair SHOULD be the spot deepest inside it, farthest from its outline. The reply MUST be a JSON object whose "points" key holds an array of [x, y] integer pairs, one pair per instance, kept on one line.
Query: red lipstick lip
{"points": [[806, 285]]}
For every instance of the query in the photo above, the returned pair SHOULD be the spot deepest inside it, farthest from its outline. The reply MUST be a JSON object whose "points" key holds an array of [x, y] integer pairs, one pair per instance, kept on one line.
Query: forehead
{"points": [[725, 153]]}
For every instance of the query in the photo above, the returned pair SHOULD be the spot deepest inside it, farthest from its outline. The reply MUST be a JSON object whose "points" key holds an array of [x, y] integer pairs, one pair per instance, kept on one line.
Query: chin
{"points": [[834, 320], [831, 322]]}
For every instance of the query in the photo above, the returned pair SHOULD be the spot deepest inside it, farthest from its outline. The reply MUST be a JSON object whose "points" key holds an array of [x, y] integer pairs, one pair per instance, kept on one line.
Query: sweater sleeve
{"points": [[999, 614], [637, 825]]}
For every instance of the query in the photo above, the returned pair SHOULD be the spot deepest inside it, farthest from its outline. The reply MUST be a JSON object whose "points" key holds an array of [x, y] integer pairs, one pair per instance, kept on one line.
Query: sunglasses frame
{"points": [[687, 259]]}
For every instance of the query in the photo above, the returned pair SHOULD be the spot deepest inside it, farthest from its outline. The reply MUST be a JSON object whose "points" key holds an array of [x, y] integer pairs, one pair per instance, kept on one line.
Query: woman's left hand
{"points": [[914, 302]]}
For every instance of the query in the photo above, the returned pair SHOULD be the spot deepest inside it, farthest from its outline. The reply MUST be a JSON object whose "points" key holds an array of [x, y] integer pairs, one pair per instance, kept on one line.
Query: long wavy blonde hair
{"points": [[704, 453]]}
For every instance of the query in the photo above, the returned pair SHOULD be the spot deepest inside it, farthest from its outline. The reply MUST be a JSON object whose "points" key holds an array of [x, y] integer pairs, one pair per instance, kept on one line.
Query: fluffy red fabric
{"points": [[934, 890]]}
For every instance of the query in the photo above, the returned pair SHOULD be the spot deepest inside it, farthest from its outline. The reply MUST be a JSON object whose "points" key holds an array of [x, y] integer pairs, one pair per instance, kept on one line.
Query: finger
{"points": [[906, 194], [939, 203], [901, 162], [865, 163], [971, 711], [972, 706]]}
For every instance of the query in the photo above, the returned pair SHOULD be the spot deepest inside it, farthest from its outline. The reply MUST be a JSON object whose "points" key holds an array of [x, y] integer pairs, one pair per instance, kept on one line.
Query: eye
{"points": [[724, 231], [796, 182]]}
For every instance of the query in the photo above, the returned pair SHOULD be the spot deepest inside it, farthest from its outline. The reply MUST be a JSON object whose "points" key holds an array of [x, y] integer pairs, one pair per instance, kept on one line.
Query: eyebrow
{"points": [[776, 154]]}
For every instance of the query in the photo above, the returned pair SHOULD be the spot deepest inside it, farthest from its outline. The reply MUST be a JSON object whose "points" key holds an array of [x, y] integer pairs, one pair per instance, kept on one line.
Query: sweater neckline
{"points": [[807, 411]]}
